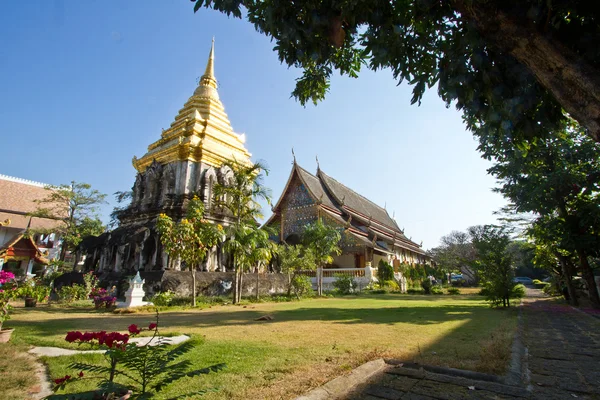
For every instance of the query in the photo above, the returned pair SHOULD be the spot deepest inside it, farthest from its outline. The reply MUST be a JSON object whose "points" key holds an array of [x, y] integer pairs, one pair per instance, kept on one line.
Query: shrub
{"points": [[69, 294], [537, 282], [518, 291], [389, 286], [90, 283], [302, 285], [385, 272], [344, 284], [437, 289], [453, 290], [551, 290], [426, 285], [414, 291], [163, 299]]}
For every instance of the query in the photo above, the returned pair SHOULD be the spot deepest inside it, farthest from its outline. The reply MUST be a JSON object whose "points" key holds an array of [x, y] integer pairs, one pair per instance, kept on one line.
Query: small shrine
{"points": [[135, 294]]}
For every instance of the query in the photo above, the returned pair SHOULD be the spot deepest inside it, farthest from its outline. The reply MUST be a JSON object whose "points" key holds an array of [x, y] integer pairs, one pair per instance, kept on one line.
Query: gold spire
{"points": [[201, 130], [208, 79]]}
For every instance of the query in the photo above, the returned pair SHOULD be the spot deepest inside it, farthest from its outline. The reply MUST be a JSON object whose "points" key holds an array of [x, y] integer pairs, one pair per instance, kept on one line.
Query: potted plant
{"points": [[8, 289], [33, 293]]}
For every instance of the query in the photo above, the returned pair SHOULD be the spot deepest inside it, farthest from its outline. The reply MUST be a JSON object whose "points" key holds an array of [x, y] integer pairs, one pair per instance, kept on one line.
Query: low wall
{"points": [[180, 282], [212, 283]]}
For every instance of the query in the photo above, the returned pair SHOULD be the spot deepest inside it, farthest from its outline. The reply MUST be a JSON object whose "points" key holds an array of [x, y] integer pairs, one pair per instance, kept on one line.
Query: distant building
{"points": [[19, 253], [369, 233]]}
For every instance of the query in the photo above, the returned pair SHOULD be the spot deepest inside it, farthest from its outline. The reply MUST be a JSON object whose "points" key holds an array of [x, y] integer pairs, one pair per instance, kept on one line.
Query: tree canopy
{"points": [[76, 207], [510, 66]]}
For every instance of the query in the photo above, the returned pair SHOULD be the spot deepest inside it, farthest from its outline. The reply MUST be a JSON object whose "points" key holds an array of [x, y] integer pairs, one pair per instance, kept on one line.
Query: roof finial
{"points": [[208, 79], [318, 166], [294, 155], [210, 65], [385, 206]]}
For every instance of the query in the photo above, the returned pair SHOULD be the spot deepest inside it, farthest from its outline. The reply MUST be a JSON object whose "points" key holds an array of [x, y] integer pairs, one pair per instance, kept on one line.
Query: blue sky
{"points": [[86, 85]]}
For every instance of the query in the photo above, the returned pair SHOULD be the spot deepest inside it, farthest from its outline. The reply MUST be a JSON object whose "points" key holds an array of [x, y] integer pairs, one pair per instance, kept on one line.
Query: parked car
{"points": [[524, 280], [455, 277]]}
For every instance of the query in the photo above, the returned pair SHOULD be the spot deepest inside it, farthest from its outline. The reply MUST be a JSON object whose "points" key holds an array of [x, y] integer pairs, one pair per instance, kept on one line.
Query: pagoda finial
{"points": [[294, 155], [208, 79], [210, 65], [318, 166]]}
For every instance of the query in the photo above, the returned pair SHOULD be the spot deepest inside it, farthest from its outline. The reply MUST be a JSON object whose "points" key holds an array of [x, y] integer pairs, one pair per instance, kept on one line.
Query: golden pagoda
{"points": [[188, 160], [201, 131]]}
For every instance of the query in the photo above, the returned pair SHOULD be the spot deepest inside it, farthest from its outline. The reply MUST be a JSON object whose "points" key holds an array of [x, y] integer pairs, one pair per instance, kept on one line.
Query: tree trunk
{"points": [[568, 281], [193, 286], [588, 275], [235, 283], [257, 283], [289, 284], [573, 81], [320, 281], [63, 252], [239, 292]]}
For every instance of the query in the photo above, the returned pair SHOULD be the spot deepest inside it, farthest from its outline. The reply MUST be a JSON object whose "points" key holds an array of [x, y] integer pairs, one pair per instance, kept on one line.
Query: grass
{"points": [[17, 372], [306, 344]]}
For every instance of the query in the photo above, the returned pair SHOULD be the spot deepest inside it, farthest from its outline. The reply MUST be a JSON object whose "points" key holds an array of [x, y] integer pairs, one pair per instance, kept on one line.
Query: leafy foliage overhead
{"points": [[511, 66]]}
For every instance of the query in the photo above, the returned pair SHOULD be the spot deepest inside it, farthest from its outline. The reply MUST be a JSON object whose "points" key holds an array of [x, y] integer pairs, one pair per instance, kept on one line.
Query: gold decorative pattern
{"points": [[201, 131]]}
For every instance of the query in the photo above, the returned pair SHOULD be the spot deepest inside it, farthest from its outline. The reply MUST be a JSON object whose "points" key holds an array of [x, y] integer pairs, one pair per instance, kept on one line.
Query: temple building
{"points": [[369, 234], [186, 160], [19, 253]]}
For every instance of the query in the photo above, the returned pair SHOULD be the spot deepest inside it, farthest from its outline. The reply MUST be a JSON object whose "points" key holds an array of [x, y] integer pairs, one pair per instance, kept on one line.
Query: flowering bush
{"points": [[8, 291], [6, 277], [149, 366]]}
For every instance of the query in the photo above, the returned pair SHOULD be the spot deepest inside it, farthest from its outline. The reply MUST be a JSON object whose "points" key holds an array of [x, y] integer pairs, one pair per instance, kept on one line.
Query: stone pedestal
{"points": [[135, 293]]}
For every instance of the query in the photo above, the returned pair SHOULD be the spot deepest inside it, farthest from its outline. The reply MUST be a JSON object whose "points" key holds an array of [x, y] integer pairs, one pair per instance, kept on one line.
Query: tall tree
{"points": [[323, 241], [558, 180], [250, 246], [511, 66], [189, 239], [454, 252], [239, 200], [75, 206], [293, 259], [494, 262]]}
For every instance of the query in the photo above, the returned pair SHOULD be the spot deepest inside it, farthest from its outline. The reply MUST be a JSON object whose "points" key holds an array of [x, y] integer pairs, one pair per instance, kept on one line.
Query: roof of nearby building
{"points": [[357, 202], [17, 199], [365, 215]]}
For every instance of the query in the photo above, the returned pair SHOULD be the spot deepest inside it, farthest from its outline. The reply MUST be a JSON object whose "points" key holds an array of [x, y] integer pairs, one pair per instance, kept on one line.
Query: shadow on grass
{"points": [[41, 332]]}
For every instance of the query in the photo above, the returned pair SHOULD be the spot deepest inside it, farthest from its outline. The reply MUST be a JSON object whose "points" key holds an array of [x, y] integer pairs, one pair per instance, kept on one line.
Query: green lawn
{"points": [[306, 344]]}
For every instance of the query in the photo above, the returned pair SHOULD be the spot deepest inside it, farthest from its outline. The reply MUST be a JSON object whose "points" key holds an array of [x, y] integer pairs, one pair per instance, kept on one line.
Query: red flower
{"points": [[87, 336], [81, 374], [73, 336], [152, 326], [133, 329]]}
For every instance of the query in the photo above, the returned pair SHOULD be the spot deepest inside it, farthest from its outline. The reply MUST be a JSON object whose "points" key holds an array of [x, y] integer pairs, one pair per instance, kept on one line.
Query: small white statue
{"points": [[135, 293]]}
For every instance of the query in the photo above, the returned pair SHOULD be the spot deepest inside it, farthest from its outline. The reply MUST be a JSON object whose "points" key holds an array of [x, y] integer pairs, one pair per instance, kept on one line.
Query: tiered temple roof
{"points": [[369, 223], [201, 130]]}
